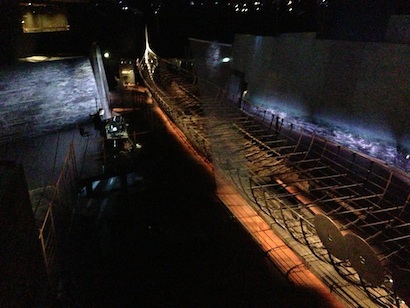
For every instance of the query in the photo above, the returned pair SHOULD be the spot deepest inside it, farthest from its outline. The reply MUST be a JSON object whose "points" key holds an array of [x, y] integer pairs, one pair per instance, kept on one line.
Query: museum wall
{"points": [[37, 98], [365, 86]]}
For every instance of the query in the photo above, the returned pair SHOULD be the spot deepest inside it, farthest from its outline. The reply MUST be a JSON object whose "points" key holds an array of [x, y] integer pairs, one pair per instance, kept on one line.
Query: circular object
{"points": [[364, 260], [331, 236], [401, 284]]}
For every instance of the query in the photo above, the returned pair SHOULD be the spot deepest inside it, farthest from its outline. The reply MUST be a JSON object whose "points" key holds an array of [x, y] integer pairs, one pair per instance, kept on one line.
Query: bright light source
{"points": [[226, 60], [106, 55]]}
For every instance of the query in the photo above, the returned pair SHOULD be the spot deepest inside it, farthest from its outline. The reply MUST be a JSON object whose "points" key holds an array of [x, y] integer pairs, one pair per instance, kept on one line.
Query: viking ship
{"points": [[349, 210]]}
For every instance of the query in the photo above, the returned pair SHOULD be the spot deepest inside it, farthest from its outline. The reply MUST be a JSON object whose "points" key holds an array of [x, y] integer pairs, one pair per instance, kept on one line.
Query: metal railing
{"points": [[59, 201]]}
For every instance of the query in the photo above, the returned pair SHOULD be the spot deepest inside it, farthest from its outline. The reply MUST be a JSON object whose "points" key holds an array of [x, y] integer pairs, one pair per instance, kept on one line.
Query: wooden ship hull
{"points": [[349, 209]]}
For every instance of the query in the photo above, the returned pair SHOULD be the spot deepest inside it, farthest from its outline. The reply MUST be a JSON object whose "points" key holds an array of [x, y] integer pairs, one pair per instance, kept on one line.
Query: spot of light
{"points": [[126, 72], [324, 3], [226, 60], [107, 55], [35, 59]]}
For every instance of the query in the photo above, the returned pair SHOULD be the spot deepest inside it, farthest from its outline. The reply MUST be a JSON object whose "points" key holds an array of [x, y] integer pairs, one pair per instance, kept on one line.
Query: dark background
{"points": [[171, 23]]}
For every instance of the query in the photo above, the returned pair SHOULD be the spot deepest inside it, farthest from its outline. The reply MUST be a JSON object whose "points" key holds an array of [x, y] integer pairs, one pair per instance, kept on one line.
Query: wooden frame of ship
{"points": [[349, 209]]}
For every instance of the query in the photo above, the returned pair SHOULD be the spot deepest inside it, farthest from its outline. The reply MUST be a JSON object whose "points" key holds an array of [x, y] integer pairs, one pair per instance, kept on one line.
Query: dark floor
{"points": [[167, 241]]}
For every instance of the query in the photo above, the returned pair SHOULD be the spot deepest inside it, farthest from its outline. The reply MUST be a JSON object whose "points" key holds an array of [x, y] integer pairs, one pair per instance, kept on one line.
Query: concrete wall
{"points": [[364, 86], [209, 66], [37, 98]]}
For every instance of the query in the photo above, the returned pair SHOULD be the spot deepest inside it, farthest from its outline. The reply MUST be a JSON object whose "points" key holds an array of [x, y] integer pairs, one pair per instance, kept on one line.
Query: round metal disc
{"points": [[364, 260], [401, 284], [331, 236]]}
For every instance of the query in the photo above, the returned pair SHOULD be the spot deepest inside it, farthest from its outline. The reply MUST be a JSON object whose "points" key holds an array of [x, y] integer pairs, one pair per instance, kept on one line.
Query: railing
{"points": [[60, 201]]}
